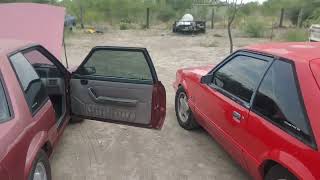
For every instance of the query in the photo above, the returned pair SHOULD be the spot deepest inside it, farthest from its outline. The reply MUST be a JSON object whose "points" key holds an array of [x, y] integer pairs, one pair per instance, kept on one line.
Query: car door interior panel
{"points": [[112, 100]]}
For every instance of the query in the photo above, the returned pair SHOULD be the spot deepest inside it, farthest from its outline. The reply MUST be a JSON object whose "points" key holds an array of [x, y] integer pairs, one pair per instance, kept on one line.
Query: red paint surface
{"points": [[254, 141], [24, 135], [39, 23]]}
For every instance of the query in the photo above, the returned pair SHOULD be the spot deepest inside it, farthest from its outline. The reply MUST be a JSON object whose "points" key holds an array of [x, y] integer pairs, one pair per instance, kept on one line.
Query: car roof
{"points": [[297, 51], [10, 45]]}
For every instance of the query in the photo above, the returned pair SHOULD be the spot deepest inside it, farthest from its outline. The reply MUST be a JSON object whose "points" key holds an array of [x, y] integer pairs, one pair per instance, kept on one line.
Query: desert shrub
{"points": [[166, 14], [125, 23], [314, 18], [295, 35], [254, 28], [124, 26]]}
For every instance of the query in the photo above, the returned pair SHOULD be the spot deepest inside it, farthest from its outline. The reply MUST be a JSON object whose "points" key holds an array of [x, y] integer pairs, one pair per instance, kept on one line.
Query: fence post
{"points": [[148, 18], [212, 18], [281, 18], [300, 21]]}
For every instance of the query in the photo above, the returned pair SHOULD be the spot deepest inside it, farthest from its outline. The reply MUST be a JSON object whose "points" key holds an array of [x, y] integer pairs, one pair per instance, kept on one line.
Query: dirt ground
{"points": [[97, 151]]}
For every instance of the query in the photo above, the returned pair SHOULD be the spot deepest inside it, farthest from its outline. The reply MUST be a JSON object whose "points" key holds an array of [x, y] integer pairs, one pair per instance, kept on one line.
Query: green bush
{"points": [[125, 23], [124, 26], [295, 35], [254, 28], [314, 18], [166, 14]]}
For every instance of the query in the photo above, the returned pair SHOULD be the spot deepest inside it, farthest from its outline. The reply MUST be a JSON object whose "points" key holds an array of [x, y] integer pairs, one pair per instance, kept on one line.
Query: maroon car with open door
{"points": [[38, 95]]}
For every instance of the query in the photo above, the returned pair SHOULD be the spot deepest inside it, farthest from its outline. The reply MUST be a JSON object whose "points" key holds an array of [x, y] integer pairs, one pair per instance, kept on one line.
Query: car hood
{"points": [[39, 23], [199, 71]]}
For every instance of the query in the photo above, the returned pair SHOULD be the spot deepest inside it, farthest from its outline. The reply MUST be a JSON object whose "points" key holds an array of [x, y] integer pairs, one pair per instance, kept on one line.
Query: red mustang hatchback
{"points": [[262, 104], [38, 95]]}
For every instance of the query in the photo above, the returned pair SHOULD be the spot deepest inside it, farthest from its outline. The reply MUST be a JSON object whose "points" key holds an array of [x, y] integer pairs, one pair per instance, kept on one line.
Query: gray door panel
{"points": [[123, 102]]}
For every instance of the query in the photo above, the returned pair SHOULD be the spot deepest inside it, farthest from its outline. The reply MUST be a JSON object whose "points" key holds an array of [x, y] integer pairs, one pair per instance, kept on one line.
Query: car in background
{"points": [[38, 95], [70, 21], [187, 25], [261, 104], [314, 33]]}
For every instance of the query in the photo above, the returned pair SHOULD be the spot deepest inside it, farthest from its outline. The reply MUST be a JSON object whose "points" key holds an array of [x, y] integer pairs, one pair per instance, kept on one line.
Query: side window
{"points": [[117, 64], [240, 76], [4, 108], [37, 58], [278, 100], [43, 66], [35, 92]]}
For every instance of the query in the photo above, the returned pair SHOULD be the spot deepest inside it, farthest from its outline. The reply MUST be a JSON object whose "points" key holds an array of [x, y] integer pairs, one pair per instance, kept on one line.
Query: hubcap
{"points": [[183, 107], [40, 172]]}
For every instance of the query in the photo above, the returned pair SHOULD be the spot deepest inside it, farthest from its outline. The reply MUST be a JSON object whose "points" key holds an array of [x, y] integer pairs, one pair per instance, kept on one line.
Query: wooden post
{"points": [[148, 18], [281, 18], [81, 16], [272, 29], [299, 22], [212, 18]]}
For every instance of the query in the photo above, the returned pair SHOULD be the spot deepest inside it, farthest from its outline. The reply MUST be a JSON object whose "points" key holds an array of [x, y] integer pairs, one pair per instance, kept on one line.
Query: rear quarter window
{"points": [[278, 99], [34, 90], [4, 107]]}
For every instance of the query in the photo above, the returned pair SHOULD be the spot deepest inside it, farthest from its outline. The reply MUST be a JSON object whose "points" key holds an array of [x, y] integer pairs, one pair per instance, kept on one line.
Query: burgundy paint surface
{"points": [[39, 23], [254, 141]]}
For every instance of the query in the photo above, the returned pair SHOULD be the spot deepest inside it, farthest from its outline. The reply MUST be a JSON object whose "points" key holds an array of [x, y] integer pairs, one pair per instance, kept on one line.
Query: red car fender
{"points": [[4, 174], [36, 144], [290, 162], [183, 82]]}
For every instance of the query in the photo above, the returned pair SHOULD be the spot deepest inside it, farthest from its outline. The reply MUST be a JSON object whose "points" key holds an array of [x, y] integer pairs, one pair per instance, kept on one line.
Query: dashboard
{"points": [[52, 78]]}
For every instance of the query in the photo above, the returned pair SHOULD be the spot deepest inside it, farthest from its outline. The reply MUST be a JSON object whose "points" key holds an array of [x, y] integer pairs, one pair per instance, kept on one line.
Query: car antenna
{"points": [[65, 52]]}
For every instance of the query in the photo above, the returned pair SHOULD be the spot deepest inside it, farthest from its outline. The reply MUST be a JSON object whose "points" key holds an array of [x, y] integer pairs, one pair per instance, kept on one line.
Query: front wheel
{"points": [[183, 112], [278, 172], [41, 169]]}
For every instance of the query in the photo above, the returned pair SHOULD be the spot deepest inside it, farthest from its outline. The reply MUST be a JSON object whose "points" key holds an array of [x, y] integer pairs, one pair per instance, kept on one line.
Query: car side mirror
{"points": [[207, 79]]}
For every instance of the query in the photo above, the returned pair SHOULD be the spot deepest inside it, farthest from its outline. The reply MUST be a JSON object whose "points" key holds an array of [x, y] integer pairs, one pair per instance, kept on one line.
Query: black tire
{"points": [[74, 120], [279, 172], [43, 158], [173, 29], [190, 123]]}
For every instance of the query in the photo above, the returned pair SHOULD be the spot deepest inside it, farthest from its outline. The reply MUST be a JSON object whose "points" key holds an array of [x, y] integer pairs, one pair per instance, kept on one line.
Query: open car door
{"points": [[119, 85]]}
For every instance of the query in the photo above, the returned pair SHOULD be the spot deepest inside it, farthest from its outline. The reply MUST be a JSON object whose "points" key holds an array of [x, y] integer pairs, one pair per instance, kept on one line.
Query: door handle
{"points": [[111, 100], [236, 115]]}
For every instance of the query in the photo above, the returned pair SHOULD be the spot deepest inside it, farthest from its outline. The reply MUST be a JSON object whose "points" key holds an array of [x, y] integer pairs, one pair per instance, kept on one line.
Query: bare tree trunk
{"points": [[300, 21], [148, 18], [272, 29], [281, 18], [81, 16], [212, 18], [230, 37], [234, 6]]}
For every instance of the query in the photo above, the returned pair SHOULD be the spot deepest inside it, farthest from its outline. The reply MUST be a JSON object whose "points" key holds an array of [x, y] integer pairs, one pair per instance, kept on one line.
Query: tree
{"points": [[233, 7]]}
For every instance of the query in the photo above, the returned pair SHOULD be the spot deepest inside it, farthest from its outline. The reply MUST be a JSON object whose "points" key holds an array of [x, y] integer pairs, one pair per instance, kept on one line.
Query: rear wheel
{"points": [[183, 111], [41, 167], [278, 172]]}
